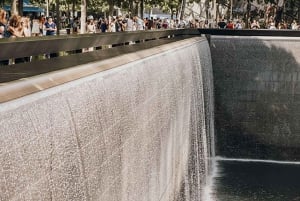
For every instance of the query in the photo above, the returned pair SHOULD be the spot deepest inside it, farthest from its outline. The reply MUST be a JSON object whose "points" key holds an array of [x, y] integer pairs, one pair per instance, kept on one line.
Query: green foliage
{"points": [[171, 6], [97, 5], [38, 2]]}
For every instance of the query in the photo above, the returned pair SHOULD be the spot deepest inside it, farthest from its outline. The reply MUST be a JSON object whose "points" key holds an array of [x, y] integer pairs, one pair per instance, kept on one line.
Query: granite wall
{"points": [[257, 95], [136, 132]]}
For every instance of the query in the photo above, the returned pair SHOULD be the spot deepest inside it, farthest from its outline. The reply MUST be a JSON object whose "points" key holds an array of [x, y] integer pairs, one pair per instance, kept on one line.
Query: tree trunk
{"points": [[57, 16], [13, 8], [215, 12], [47, 8], [182, 10], [248, 14], [83, 17], [131, 9], [111, 8], [206, 9], [142, 9], [20, 7], [219, 14], [298, 12], [69, 12], [136, 8], [73, 9]]}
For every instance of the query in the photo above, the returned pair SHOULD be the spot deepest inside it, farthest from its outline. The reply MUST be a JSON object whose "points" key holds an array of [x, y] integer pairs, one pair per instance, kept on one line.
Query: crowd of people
{"points": [[255, 24], [18, 26], [21, 26], [134, 23]]}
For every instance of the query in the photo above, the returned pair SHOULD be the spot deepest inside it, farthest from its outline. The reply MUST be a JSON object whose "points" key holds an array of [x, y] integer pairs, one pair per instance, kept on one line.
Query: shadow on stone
{"points": [[257, 96]]}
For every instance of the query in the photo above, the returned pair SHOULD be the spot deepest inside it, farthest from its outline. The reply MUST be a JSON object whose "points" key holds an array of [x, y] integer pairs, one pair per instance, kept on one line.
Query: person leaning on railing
{"points": [[50, 28], [255, 25], [3, 27], [90, 28], [3, 22], [14, 29]]}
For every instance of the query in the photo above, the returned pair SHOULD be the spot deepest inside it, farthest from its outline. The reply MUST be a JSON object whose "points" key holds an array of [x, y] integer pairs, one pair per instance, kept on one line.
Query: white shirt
{"points": [[129, 25]]}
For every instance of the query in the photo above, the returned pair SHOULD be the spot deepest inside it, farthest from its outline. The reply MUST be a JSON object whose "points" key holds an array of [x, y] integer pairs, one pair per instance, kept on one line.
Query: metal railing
{"points": [[69, 48], [24, 78], [33, 46], [22, 47]]}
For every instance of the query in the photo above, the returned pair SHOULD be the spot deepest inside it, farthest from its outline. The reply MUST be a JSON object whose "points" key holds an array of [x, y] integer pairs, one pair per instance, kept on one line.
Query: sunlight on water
{"points": [[257, 161]]}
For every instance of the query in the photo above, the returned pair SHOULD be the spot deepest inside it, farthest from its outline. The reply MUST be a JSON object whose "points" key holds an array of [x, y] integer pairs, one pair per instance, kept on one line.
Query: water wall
{"points": [[257, 95], [132, 133]]}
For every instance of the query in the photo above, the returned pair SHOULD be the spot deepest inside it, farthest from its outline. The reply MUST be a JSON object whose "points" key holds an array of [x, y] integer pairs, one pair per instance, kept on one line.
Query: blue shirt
{"points": [[50, 32]]}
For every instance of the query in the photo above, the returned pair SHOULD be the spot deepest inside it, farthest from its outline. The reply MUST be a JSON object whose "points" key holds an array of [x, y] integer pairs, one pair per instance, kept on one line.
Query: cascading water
{"points": [[203, 123], [137, 132]]}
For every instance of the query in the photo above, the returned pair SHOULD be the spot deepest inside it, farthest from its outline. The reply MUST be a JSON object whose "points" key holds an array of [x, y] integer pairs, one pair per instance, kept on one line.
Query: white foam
{"points": [[218, 158]]}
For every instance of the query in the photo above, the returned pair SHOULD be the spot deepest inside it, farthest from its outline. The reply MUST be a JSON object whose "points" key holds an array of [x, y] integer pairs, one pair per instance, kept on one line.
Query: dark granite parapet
{"points": [[257, 92]]}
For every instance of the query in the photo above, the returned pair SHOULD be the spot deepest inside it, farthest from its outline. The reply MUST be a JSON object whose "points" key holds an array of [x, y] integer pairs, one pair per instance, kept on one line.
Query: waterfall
{"points": [[141, 131]]}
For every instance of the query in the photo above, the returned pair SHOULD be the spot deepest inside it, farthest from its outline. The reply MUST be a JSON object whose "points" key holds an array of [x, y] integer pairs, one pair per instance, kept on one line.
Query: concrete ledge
{"points": [[67, 70]]}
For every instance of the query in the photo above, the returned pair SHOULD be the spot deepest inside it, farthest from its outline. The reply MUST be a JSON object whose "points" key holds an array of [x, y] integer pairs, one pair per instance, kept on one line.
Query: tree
{"points": [[39, 2], [13, 8], [83, 16], [174, 7], [208, 8], [58, 16], [20, 7], [110, 7], [74, 3], [16, 9], [182, 9], [96, 6]]}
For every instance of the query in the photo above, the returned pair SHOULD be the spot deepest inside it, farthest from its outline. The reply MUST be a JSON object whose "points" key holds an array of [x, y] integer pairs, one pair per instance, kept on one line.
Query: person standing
{"points": [[3, 28], [238, 25], [90, 26], [15, 30], [50, 27], [139, 23], [294, 25], [222, 24], [128, 23], [104, 25], [3, 22], [35, 31], [42, 21], [25, 22], [255, 25], [230, 25], [112, 25], [26, 26], [91, 29], [118, 24]]}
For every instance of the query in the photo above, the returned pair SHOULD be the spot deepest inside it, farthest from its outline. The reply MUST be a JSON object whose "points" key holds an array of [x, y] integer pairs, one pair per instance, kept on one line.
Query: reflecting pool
{"points": [[249, 180]]}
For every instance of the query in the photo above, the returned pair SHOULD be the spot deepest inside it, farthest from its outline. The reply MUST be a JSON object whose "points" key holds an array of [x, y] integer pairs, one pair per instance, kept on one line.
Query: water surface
{"points": [[248, 180]]}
